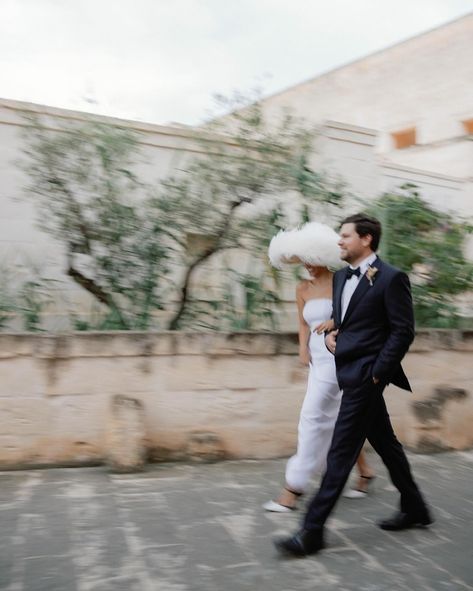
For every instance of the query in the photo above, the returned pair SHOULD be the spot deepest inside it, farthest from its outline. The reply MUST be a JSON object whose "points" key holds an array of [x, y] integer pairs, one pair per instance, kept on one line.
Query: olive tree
{"points": [[127, 242]]}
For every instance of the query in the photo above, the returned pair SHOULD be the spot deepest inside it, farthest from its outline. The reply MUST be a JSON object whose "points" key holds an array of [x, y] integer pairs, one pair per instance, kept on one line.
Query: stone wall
{"points": [[421, 82], [200, 395], [345, 152]]}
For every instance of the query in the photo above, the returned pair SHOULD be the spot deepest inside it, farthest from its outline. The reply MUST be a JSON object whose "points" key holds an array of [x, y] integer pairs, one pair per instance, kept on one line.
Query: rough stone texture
{"points": [[56, 393], [205, 447], [126, 451], [431, 410], [200, 527]]}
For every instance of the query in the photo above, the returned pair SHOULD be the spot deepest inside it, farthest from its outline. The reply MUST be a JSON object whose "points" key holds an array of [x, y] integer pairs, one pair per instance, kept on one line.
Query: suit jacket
{"points": [[377, 329]]}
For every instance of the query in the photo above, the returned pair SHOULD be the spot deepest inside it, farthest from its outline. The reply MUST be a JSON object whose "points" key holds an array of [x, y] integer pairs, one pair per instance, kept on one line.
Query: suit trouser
{"points": [[363, 415]]}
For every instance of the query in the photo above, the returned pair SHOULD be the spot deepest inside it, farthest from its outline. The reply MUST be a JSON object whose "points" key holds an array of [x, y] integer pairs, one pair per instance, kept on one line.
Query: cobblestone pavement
{"points": [[181, 527]]}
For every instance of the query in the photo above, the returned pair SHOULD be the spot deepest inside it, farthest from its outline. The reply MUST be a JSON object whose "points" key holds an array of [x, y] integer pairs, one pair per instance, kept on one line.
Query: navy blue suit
{"points": [[374, 336], [377, 329]]}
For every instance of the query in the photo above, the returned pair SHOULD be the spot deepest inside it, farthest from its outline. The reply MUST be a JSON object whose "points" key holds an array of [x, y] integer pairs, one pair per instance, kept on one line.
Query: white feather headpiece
{"points": [[313, 243]]}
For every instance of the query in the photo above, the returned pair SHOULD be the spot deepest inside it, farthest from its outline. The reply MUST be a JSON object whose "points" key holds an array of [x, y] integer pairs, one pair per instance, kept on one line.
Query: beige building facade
{"points": [[417, 95]]}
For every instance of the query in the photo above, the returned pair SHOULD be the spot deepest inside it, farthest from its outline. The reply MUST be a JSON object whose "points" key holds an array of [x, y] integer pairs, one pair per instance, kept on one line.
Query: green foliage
{"points": [[87, 197], [246, 301], [239, 191], [259, 303], [137, 249], [7, 298], [33, 297], [140, 250], [429, 245], [24, 296]]}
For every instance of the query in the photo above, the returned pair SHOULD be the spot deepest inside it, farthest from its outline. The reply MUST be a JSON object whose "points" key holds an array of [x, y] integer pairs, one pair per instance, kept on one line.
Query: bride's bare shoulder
{"points": [[303, 286]]}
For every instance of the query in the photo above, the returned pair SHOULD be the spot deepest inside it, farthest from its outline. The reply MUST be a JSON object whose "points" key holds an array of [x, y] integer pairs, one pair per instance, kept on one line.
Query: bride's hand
{"points": [[324, 326], [304, 357]]}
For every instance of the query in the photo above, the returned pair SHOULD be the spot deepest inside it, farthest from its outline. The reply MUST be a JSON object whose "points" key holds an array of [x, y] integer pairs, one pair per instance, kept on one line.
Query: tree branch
{"points": [[175, 320], [76, 210], [99, 294]]}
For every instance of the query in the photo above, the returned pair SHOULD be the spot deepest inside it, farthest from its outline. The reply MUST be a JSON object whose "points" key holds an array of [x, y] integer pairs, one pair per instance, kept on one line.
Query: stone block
{"points": [[432, 419], [16, 345], [298, 373], [24, 431], [404, 430], [24, 418], [76, 452], [428, 442], [105, 344], [281, 409], [189, 372], [191, 343], [205, 446], [17, 451], [78, 419], [439, 366], [267, 442], [398, 403], [287, 343], [126, 450], [222, 344], [21, 377], [245, 343], [435, 339], [51, 346], [161, 343], [100, 375], [186, 411], [240, 372], [75, 376], [424, 341], [458, 421], [433, 409], [246, 390], [245, 420], [466, 341]]}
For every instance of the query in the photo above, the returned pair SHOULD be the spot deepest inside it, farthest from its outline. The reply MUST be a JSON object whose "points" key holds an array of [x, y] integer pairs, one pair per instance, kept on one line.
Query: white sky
{"points": [[163, 60]]}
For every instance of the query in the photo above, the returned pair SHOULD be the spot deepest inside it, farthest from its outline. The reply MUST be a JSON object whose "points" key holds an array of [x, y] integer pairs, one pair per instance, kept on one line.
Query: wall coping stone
{"points": [[170, 343]]}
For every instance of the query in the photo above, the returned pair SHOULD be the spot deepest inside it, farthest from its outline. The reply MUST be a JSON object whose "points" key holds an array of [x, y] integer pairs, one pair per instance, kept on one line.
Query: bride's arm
{"points": [[304, 330]]}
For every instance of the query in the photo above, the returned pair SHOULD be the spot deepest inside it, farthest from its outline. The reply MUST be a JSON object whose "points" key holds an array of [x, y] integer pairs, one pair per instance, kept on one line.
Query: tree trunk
{"points": [[175, 321], [99, 294]]}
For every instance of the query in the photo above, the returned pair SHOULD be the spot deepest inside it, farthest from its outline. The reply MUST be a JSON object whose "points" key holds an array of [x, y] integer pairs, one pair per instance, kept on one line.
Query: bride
{"points": [[316, 247]]}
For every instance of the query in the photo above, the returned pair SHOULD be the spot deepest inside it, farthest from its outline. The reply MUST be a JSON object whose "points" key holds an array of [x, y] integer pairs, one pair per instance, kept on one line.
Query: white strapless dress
{"points": [[321, 404]]}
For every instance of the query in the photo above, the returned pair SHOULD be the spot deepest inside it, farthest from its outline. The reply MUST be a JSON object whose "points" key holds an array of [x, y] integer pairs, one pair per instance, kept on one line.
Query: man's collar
{"points": [[365, 263]]}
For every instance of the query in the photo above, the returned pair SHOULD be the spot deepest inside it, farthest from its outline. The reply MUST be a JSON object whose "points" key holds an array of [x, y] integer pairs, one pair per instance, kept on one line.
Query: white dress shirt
{"points": [[352, 283]]}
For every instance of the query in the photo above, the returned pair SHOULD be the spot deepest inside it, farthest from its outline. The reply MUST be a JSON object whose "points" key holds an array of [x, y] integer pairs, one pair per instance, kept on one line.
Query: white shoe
{"points": [[356, 493], [277, 508], [353, 493]]}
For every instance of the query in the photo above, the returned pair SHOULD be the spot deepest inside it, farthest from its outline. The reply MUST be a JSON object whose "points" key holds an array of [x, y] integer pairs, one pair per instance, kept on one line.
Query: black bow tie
{"points": [[351, 272]]}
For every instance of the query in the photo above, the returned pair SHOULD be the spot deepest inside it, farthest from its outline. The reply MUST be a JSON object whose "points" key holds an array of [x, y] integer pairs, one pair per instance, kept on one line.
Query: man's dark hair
{"points": [[365, 225]]}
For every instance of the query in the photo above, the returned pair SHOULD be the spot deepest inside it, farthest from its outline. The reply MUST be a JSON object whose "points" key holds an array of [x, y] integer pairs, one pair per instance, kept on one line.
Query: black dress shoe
{"points": [[402, 520], [302, 543]]}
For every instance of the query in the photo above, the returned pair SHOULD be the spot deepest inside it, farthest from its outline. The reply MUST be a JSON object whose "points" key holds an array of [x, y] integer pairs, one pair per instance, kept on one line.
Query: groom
{"points": [[373, 315]]}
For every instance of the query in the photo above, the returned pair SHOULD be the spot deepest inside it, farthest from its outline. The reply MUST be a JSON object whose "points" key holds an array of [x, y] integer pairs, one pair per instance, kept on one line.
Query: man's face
{"points": [[352, 246]]}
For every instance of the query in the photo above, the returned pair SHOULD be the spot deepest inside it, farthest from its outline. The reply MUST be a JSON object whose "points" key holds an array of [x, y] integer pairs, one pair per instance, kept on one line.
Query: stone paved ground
{"points": [[197, 527]]}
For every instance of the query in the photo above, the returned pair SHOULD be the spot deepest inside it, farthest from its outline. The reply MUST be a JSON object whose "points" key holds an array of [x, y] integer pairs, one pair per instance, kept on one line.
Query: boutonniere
{"points": [[370, 273]]}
